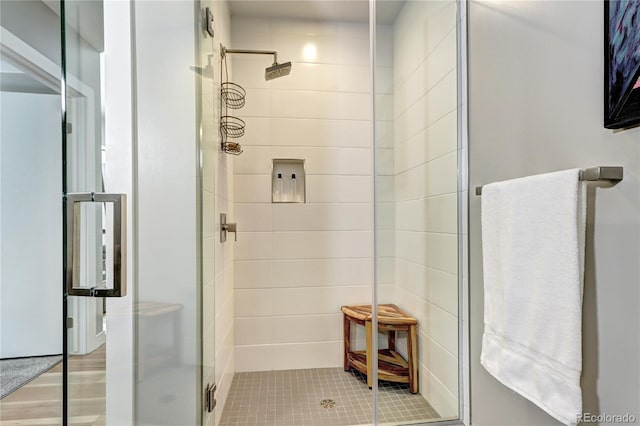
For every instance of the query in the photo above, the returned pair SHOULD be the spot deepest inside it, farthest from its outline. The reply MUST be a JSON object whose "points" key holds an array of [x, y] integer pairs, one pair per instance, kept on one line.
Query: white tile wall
{"points": [[319, 160], [266, 302], [320, 105], [290, 356], [300, 132], [296, 264], [313, 217], [303, 273], [329, 188], [425, 190]]}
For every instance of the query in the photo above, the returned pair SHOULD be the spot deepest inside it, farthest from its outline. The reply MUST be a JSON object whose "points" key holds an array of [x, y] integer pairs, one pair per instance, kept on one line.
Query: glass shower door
{"points": [[60, 256], [94, 224]]}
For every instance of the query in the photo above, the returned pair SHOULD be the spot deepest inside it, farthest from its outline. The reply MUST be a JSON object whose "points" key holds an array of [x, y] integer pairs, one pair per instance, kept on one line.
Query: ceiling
{"points": [[319, 10]]}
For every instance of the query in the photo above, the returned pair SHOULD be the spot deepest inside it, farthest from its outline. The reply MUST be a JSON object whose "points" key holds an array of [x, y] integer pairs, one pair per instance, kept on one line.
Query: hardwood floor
{"points": [[39, 402]]}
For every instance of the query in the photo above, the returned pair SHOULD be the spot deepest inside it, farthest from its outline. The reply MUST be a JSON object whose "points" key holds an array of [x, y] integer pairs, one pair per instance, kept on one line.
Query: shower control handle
{"points": [[227, 227], [231, 227]]}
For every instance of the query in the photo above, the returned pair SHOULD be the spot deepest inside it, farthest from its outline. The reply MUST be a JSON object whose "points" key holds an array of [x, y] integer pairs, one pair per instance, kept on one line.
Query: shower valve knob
{"points": [[227, 227], [231, 227]]}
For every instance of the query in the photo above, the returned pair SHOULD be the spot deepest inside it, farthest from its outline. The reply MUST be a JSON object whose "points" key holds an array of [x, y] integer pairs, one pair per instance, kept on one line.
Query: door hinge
{"points": [[69, 128], [69, 322], [208, 21], [209, 398]]}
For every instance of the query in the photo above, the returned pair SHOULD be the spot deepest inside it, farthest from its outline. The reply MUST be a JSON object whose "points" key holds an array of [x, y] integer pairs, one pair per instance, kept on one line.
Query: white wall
{"points": [[426, 170], [31, 302], [536, 105], [296, 264]]}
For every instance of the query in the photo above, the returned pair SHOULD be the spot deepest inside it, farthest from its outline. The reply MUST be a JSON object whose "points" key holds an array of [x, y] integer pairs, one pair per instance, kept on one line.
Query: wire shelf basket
{"points": [[233, 148], [233, 95], [231, 126]]}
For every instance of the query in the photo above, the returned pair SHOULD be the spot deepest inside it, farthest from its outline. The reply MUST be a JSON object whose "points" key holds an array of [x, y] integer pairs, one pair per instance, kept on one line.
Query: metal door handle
{"points": [[72, 203]]}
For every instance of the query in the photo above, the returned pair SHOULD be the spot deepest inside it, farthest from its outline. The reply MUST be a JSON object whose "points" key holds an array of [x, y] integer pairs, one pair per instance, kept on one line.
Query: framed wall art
{"points": [[621, 64]]}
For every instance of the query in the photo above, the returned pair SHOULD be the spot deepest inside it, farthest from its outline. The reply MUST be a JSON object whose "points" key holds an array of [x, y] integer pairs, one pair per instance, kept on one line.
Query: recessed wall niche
{"points": [[288, 181]]}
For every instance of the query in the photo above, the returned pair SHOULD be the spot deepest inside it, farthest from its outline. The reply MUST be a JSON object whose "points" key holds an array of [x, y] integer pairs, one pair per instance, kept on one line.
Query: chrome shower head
{"points": [[277, 70]]}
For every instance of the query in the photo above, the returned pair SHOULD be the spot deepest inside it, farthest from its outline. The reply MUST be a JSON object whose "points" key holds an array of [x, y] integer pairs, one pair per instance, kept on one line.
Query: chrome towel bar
{"points": [[608, 173]]}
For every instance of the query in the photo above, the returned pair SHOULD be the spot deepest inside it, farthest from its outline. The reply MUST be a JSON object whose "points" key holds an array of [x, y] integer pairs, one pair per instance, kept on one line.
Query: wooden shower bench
{"points": [[391, 365]]}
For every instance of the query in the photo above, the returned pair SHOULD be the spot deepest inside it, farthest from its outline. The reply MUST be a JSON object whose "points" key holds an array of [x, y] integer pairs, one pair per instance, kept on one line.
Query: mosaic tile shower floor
{"points": [[296, 398]]}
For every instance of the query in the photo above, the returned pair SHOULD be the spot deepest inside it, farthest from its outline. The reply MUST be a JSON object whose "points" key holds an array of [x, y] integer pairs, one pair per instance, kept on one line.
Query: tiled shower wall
{"points": [[425, 140], [296, 264]]}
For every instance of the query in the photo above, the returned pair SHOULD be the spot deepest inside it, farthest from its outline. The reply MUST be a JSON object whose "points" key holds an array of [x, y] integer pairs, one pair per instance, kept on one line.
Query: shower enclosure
{"points": [[349, 190], [383, 220]]}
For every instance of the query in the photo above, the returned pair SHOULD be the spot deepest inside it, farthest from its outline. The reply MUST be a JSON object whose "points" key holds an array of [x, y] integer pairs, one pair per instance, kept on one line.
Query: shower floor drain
{"points": [[327, 403]]}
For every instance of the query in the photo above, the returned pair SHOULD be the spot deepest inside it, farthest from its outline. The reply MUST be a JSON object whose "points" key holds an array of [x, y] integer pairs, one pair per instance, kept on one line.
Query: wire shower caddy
{"points": [[232, 96]]}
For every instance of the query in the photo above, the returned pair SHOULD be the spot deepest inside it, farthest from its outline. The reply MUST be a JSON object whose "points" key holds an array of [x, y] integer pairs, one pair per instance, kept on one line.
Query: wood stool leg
{"points": [[412, 349], [391, 340], [347, 340], [369, 333]]}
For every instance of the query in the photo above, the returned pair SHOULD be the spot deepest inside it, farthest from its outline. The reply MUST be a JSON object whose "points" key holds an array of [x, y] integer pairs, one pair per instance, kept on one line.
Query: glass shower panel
{"points": [[41, 166], [168, 306], [417, 208], [207, 82]]}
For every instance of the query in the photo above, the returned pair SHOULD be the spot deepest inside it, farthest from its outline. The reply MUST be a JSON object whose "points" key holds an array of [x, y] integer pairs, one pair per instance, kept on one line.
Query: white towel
{"points": [[533, 254]]}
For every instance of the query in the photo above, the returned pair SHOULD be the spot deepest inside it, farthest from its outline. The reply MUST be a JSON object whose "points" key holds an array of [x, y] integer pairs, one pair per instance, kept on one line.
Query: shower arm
{"points": [[224, 51]]}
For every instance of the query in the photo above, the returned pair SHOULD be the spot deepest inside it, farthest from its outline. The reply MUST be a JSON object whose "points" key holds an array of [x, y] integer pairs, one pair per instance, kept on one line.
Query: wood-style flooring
{"points": [[39, 402]]}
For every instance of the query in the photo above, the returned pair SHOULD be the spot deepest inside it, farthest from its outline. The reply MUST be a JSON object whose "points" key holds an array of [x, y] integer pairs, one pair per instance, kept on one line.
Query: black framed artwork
{"points": [[621, 64]]}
